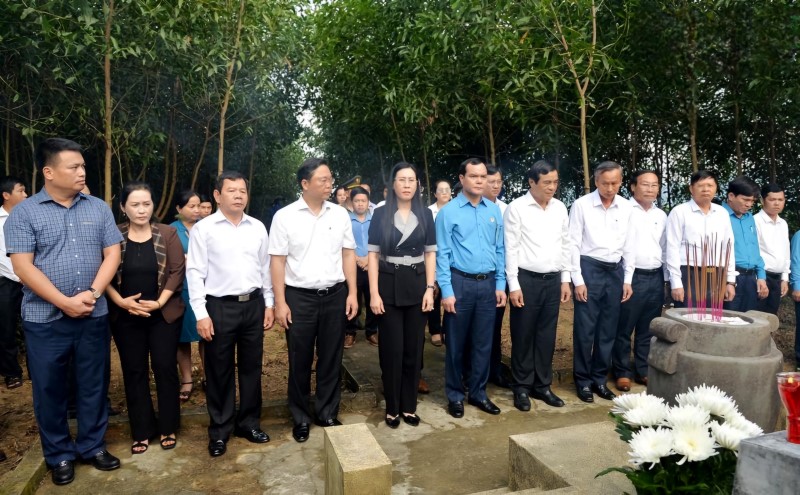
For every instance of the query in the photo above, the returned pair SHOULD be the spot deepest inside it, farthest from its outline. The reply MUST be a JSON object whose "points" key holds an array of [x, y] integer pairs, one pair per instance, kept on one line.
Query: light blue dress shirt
{"points": [[794, 266], [745, 242], [361, 232]]}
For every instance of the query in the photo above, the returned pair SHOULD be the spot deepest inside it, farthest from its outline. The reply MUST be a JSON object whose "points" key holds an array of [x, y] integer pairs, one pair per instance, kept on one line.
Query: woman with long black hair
{"points": [[402, 267]]}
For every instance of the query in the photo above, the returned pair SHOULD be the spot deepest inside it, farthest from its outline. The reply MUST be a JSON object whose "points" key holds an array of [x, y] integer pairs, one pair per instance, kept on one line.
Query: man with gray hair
{"points": [[602, 237]]}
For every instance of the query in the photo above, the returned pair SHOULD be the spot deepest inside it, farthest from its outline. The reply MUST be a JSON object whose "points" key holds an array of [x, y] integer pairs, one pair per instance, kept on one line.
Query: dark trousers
{"points": [[470, 326], [142, 343], [797, 335], [496, 356], [435, 317], [237, 344], [636, 314], [533, 332], [595, 326], [772, 302], [400, 353], [316, 321], [10, 302], [746, 294], [51, 347], [370, 320]]}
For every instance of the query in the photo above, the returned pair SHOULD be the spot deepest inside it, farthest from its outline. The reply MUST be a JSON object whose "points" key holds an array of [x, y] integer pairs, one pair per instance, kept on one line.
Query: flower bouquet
{"points": [[688, 448]]}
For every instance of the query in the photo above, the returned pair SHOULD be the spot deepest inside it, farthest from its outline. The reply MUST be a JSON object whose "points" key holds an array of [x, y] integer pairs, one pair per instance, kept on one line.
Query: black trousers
{"points": [[370, 319], [746, 294], [238, 344], [435, 317], [595, 326], [316, 321], [533, 332], [142, 343], [636, 314], [771, 303], [496, 356], [400, 353], [10, 305]]}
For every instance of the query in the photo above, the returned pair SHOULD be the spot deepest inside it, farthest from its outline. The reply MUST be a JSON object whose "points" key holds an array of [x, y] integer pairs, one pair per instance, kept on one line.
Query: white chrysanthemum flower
{"points": [[714, 400], [728, 436], [626, 402], [649, 445], [739, 422], [650, 413], [686, 416], [694, 443]]}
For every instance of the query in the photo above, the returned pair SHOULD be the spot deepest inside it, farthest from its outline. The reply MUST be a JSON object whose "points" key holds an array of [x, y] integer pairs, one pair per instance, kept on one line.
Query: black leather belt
{"points": [[540, 276], [649, 271], [603, 264], [474, 276], [746, 271], [319, 292], [773, 275], [242, 298]]}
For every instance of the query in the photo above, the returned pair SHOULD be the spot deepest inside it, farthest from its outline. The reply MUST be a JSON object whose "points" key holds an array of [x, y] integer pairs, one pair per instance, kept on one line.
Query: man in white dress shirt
{"points": [[313, 268], [692, 223], [443, 194], [602, 238], [649, 277], [497, 372], [13, 191], [773, 242], [538, 271], [227, 269]]}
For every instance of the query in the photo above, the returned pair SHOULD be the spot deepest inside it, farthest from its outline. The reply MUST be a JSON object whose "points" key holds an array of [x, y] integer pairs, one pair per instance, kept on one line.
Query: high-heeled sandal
{"points": [[185, 395]]}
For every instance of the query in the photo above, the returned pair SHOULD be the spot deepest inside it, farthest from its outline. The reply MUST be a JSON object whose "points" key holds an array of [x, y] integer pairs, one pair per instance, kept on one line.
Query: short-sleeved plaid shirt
{"points": [[67, 246]]}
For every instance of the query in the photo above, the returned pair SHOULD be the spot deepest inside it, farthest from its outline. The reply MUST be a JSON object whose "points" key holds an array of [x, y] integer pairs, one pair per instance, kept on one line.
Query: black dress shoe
{"points": [[549, 398], [585, 394], [522, 402], [412, 420], [216, 448], [256, 435], [501, 381], [486, 406], [603, 392], [328, 422], [456, 409], [63, 472], [392, 422], [103, 461], [300, 432]]}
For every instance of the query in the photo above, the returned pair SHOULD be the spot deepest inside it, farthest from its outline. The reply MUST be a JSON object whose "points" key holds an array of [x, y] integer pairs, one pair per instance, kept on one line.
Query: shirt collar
{"points": [[301, 204], [598, 201], [218, 217], [731, 213], [3, 212], [354, 217], [43, 196], [462, 200], [763, 214]]}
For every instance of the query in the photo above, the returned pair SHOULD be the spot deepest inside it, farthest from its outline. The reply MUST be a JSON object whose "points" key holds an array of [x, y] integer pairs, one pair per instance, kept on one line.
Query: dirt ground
{"points": [[18, 428]]}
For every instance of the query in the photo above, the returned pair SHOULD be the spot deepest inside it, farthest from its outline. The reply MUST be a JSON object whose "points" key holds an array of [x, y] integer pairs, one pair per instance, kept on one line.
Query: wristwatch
{"points": [[95, 293], [733, 284]]}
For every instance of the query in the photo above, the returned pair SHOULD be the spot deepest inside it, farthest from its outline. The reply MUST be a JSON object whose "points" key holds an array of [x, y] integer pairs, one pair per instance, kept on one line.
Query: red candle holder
{"points": [[789, 388]]}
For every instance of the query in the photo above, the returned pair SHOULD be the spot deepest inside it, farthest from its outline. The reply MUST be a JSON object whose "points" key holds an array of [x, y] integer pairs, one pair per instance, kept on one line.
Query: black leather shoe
{"points": [[603, 392], [63, 472], [585, 394], [501, 381], [217, 448], [300, 432], [486, 406], [103, 461], [392, 422], [549, 398], [328, 422], [412, 420], [522, 402], [456, 409], [256, 435]]}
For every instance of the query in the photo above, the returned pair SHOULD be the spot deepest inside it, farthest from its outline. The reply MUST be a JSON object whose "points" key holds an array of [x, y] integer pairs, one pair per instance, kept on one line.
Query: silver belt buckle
{"points": [[244, 298], [407, 260]]}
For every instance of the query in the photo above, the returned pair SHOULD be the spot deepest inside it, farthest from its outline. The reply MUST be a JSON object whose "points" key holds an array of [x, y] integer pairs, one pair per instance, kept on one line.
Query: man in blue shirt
{"points": [[794, 282], [751, 284], [64, 246], [470, 268], [361, 218]]}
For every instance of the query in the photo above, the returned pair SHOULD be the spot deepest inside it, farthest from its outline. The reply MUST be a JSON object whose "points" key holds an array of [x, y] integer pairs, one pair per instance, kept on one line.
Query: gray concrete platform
{"points": [[442, 455]]}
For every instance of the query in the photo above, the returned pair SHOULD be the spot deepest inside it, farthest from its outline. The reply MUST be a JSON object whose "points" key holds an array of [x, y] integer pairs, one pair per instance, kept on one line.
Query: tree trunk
{"points": [[108, 108], [7, 147], [737, 132], [162, 208], [397, 136], [773, 172], [229, 87], [251, 171], [492, 151], [633, 141], [202, 156], [425, 164]]}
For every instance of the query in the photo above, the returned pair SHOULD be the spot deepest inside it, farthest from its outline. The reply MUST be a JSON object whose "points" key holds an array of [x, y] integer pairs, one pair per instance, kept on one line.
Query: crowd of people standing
{"points": [[222, 279]]}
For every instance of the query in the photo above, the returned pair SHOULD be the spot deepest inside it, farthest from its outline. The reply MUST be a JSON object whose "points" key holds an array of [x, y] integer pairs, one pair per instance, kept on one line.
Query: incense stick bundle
{"points": [[689, 270]]}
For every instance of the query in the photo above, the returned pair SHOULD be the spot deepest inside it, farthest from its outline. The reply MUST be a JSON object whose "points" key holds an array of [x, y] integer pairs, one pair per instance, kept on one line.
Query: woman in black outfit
{"points": [[402, 267], [146, 317]]}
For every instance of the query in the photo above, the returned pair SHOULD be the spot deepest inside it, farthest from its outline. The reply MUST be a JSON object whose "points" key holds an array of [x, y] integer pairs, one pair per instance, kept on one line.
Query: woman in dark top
{"points": [[146, 317], [402, 266]]}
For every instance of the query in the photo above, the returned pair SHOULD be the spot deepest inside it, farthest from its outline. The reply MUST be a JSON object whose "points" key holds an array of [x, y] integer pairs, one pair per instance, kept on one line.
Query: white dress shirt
{"points": [[311, 243], [227, 260], [687, 224], [605, 234], [502, 205], [773, 242], [5, 262], [651, 237], [435, 209], [537, 239]]}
